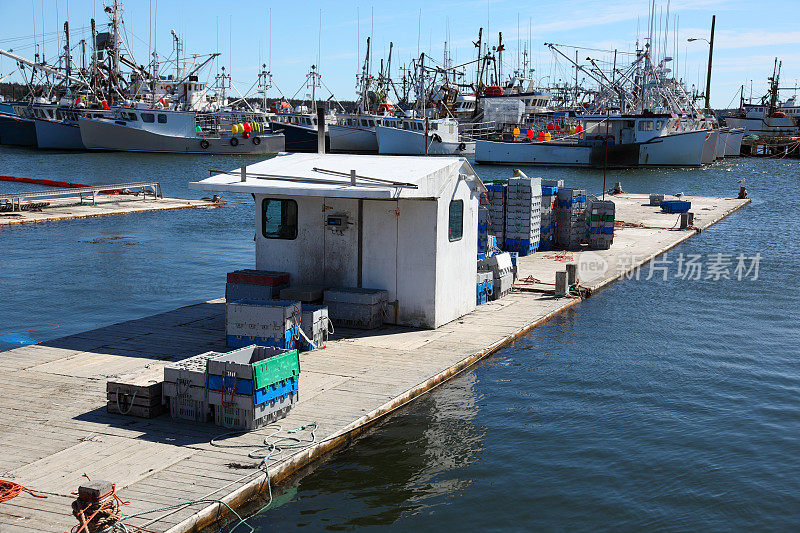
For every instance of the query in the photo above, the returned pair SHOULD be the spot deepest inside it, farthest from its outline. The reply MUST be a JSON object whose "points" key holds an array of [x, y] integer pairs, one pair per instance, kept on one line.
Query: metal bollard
{"points": [[561, 284], [572, 274]]}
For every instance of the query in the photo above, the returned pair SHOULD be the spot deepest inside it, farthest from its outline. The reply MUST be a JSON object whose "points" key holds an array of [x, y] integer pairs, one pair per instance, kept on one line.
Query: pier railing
{"points": [[143, 188]]}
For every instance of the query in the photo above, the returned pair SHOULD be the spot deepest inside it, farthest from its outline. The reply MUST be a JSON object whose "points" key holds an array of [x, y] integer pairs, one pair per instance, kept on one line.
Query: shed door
{"points": [[379, 268], [340, 242]]}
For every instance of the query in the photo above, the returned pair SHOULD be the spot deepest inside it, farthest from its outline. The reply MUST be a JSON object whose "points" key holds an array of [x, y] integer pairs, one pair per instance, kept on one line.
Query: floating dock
{"points": [[89, 201], [54, 427]]}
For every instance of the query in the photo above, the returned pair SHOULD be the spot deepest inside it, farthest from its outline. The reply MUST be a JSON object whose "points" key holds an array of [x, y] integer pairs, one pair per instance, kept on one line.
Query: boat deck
{"points": [[54, 427]]}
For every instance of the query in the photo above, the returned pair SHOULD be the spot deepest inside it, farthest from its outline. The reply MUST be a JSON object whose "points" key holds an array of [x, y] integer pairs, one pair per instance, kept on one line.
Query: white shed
{"points": [[407, 225]]}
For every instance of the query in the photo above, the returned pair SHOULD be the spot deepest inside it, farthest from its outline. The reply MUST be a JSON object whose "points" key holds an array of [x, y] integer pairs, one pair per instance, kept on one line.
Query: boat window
{"points": [[50, 112], [372, 123], [455, 228], [162, 118], [364, 122], [646, 125], [659, 124], [133, 117], [58, 114], [434, 126], [148, 117], [279, 219]]}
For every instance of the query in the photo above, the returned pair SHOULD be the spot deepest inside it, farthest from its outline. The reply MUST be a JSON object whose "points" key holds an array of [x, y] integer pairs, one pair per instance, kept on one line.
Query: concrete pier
{"points": [[54, 426]]}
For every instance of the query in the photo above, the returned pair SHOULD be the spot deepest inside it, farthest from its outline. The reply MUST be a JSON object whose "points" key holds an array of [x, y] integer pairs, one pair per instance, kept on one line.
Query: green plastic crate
{"points": [[276, 368]]}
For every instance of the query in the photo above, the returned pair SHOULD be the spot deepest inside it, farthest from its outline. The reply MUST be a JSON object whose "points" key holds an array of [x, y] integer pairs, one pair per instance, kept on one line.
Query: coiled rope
{"points": [[9, 489]]}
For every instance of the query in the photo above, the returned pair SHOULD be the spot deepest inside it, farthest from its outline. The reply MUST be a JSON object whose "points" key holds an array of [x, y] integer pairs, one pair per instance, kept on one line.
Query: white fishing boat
{"points": [[144, 129], [768, 116], [722, 141], [354, 133], [621, 141], [709, 153], [419, 136]]}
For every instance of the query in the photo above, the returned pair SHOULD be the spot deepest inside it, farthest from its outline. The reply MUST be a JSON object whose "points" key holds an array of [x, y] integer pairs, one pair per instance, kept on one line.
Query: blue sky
{"points": [[749, 35]]}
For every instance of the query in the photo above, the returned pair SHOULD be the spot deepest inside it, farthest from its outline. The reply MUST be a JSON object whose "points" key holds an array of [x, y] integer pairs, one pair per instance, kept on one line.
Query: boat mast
{"points": [[710, 56]]}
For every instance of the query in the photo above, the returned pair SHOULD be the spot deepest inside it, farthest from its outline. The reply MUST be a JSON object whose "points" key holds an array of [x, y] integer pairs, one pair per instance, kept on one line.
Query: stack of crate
{"points": [[314, 325], [262, 322], [136, 394], [483, 231], [570, 218], [253, 386], [255, 284], [523, 214], [484, 287], [350, 307], [184, 388], [496, 197], [502, 270], [600, 221], [547, 230]]}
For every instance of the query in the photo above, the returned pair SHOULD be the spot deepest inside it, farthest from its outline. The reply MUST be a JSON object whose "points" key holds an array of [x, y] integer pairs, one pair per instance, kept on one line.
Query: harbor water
{"points": [[658, 404]]}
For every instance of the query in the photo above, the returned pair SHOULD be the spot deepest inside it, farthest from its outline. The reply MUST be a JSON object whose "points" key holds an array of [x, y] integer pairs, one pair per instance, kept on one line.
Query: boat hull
{"points": [[710, 147], [767, 126], [734, 145], [17, 131], [299, 139], [350, 139], [106, 135], [58, 135], [679, 150], [394, 141], [722, 140]]}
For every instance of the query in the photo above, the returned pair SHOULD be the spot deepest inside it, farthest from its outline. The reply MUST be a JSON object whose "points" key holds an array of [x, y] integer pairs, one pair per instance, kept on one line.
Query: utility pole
{"points": [[710, 56]]}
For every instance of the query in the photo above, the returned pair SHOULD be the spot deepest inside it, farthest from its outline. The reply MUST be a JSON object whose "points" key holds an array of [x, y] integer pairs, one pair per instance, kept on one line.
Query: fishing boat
{"points": [[767, 116], [16, 129], [612, 141], [421, 136], [299, 129], [145, 129]]}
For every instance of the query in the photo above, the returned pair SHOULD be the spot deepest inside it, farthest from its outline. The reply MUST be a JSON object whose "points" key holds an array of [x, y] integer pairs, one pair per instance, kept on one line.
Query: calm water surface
{"points": [[666, 405]]}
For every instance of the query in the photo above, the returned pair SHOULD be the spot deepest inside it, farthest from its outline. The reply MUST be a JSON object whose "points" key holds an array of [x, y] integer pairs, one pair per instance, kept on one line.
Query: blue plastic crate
{"points": [[275, 391], [608, 231], [522, 246], [497, 187], [288, 342], [549, 191], [675, 206]]}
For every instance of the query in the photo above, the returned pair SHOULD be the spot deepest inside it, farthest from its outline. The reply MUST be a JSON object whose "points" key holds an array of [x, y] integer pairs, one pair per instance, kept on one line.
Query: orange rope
{"points": [[9, 489]]}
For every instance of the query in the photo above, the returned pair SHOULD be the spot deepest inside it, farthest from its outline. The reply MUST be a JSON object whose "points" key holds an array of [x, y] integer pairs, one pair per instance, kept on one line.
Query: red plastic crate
{"points": [[259, 277]]}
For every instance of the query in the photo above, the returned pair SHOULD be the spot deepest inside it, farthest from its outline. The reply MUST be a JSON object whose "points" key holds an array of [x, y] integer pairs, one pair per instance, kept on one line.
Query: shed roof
{"points": [[378, 177]]}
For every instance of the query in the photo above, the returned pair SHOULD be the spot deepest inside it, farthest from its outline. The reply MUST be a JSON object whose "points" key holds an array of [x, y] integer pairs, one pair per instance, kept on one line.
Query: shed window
{"points": [[279, 219], [148, 117], [456, 226], [162, 118]]}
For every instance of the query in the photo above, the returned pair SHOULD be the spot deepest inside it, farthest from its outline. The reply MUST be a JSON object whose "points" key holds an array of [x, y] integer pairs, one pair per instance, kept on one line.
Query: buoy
{"points": [[541, 135], [548, 136], [104, 104], [516, 132], [558, 127], [551, 126], [530, 134], [247, 127], [235, 129]]}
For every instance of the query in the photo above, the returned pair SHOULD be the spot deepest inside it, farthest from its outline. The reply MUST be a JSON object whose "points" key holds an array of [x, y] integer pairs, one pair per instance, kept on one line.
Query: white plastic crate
{"points": [[261, 318]]}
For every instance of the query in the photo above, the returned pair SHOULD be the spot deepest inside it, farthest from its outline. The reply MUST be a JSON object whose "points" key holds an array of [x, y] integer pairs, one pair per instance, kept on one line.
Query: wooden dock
{"points": [[54, 427], [117, 204]]}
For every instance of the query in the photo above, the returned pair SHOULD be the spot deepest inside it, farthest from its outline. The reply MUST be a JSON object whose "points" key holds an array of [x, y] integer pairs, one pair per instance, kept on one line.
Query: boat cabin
{"points": [[407, 225]]}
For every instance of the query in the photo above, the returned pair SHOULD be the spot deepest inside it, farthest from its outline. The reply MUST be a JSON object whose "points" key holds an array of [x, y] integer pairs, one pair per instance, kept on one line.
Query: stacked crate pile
{"points": [[357, 308], [547, 233], [523, 214], [314, 324], [255, 284], [600, 220], [570, 218], [484, 287], [136, 394], [496, 198], [483, 232], [184, 388], [253, 386], [502, 270], [262, 322]]}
